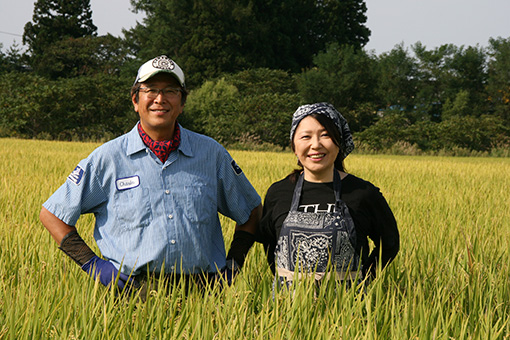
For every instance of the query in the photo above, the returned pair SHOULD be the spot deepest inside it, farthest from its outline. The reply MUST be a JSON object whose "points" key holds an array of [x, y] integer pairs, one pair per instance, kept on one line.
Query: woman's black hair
{"points": [[335, 135]]}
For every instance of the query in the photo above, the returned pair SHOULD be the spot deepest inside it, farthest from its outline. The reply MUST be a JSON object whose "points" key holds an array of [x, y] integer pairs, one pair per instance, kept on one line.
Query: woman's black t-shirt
{"points": [[370, 212]]}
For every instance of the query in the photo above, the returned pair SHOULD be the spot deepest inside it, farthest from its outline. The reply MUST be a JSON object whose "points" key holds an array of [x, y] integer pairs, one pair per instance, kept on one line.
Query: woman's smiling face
{"points": [[315, 150]]}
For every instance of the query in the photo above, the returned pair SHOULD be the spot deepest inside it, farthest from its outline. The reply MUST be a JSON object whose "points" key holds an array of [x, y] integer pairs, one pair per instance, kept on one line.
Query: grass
{"points": [[449, 281]]}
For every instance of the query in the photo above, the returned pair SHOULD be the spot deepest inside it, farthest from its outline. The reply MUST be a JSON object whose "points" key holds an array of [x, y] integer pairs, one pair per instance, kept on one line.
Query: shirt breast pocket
{"points": [[132, 208], [197, 203]]}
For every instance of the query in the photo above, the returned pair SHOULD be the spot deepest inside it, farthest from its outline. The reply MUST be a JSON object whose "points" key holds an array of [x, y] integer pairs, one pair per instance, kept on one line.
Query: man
{"points": [[155, 193]]}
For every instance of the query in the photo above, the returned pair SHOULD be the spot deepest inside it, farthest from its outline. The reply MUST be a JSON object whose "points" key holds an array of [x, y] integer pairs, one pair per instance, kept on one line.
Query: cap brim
{"points": [[152, 74]]}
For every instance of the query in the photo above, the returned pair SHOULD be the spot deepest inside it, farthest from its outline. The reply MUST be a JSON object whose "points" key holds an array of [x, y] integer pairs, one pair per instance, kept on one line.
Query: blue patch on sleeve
{"points": [[77, 175], [236, 168]]}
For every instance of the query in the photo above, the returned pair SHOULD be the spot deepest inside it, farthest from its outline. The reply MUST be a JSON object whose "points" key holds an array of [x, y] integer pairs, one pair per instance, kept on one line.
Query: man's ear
{"points": [[135, 102]]}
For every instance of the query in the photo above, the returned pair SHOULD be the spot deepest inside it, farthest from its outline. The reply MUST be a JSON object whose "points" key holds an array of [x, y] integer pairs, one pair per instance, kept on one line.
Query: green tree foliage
{"points": [[82, 108], [73, 57], [204, 37], [468, 132], [398, 78], [290, 32], [438, 99], [498, 84], [209, 38], [473, 133], [12, 60], [434, 84], [261, 59], [248, 108], [52, 22], [387, 131], [345, 77], [433, 78], [469, 79], [210, 104], [341, 22], [457, 107]]}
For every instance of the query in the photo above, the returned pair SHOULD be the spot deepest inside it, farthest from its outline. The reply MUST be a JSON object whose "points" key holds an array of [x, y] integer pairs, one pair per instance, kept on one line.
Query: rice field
{"points": [[449, 281]]}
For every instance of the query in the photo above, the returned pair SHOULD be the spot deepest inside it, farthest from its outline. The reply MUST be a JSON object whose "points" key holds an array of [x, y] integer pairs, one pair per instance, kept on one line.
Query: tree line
{"points": [[249, 65]]}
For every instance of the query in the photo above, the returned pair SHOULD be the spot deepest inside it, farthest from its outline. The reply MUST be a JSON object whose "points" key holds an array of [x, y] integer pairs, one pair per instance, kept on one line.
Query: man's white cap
{"points": [[158, 65]]}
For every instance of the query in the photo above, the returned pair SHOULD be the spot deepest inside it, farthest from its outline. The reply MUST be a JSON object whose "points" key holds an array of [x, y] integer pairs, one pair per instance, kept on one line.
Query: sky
{"points": [[109, 16], [436, 22], [432, 22]]}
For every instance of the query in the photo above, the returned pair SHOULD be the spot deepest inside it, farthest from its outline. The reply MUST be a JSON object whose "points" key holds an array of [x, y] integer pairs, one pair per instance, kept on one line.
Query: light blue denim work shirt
{"points": [[149, 213]]}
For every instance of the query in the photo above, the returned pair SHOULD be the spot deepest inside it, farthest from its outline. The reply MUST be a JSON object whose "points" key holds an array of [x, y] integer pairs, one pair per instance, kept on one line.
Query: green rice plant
{"points": [[449, 281]]}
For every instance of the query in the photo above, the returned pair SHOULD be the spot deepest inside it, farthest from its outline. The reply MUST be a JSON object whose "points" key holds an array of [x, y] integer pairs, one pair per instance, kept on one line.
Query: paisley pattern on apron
{"points": [[308, 239]]}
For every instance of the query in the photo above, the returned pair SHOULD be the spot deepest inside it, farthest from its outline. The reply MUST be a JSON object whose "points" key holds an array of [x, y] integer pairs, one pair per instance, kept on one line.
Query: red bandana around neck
{"points": [[161, 148]]}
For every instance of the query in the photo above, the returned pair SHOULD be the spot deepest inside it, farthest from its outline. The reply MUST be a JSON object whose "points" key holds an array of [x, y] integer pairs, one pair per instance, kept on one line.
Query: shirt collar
{"points": [[185, 146], [135, 143]]}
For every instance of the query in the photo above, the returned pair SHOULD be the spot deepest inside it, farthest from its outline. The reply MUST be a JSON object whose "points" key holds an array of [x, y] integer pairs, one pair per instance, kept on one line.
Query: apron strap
{"points": [[337, 186], [297, 193]]}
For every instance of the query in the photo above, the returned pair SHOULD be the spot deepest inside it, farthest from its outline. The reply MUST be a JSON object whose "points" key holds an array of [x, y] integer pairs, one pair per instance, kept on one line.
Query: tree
{"points": [[341, 21], [202, 36], [12, 60], [398, 78], [433, 79], [469, 76], [73, 57], [291, 32], [498, 83], [444, 73], [208, 38], [456, 107], [346, 78], [473, 133], [252, 107], [387, 131], [81, 108], [52, 22]]}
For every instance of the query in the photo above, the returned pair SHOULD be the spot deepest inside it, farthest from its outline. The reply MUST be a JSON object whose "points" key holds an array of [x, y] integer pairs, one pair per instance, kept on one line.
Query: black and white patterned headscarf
{"points": [[326, 109]]}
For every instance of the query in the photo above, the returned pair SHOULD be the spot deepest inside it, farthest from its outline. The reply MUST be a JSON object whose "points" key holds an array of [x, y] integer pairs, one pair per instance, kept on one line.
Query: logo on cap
{"points": [[163, 63]]}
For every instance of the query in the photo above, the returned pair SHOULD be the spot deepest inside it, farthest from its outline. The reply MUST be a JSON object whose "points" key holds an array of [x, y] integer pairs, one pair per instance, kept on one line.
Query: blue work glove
{"points": [[107, 273]]}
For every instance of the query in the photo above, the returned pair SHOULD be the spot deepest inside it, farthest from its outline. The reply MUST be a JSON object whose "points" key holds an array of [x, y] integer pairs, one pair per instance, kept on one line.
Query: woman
{"points": [[320, 210]]}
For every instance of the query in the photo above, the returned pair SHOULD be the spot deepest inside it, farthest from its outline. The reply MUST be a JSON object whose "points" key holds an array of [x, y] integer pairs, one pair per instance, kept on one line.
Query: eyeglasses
{"points": [[153, 92]]}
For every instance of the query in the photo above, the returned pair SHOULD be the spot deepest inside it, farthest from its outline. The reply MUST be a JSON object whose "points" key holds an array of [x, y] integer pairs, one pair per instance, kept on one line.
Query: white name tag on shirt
{"points": [[127, 183]]}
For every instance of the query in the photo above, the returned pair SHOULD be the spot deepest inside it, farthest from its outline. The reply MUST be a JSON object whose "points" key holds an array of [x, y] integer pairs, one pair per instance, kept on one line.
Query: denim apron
{"points": [[308, 239]]}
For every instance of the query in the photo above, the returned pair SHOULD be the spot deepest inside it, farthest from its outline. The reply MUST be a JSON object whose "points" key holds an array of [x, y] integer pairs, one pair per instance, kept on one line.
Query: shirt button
{"points": [[172, 241], [170, 216], [167, 192]]}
